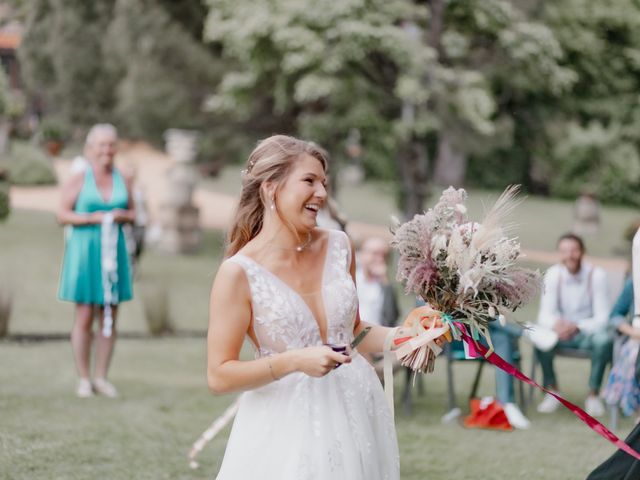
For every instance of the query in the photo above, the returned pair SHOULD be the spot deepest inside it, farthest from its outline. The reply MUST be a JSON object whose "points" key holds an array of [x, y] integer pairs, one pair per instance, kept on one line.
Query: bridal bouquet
{"points": [[466, 272]]}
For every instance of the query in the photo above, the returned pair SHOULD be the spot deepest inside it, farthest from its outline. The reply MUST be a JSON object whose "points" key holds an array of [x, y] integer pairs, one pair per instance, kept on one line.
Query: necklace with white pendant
{"points": [[300, 248]]}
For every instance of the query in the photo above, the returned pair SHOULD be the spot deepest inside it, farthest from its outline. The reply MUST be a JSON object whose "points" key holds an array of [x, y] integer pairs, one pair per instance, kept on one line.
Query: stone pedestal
{"points": [[586, 215], [179, 218]]}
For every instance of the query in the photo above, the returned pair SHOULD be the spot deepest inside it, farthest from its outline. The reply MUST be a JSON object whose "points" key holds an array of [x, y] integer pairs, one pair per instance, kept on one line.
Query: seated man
{"points": [[575, 305]]}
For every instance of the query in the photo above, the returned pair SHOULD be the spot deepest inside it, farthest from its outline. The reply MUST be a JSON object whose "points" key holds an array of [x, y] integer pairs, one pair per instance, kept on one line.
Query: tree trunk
{"points": [[451, 164], [413, 172], [5, 127]]}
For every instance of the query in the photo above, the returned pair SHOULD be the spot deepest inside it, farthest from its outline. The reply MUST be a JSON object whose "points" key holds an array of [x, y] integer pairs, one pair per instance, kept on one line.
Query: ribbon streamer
{"points": [[494, 359], [215, 428], [109, 267]]}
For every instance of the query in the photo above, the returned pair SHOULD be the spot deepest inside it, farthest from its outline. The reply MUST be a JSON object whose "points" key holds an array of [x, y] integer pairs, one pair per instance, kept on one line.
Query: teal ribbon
{"points": [[475, 334], [448, 320]]}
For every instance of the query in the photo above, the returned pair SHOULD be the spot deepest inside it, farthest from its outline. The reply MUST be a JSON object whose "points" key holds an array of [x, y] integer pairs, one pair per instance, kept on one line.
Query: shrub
{"points": [[28, 165]]}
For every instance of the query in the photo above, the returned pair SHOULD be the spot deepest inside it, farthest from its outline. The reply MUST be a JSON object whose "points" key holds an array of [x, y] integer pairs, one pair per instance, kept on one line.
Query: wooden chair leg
{"points": [[476, 380], [521, 396], [532, 376]]}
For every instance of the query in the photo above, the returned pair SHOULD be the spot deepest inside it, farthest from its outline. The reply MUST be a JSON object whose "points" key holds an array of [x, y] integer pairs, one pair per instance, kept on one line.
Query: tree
{"points": [[595, 135], [321, 69], [164, 72], [62, 57], [138, 63]]}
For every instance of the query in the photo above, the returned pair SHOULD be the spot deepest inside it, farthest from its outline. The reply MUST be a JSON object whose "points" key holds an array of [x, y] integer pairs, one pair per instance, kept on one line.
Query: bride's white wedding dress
{"points": [[305, 428]]}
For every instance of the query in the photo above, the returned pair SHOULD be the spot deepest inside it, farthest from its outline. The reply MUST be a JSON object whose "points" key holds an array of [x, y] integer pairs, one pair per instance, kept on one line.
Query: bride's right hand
{"points": [[318, 361]]}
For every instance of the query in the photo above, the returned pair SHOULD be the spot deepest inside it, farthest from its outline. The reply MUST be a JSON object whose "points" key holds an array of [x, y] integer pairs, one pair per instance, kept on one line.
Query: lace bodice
{"points": [[282, 319]]}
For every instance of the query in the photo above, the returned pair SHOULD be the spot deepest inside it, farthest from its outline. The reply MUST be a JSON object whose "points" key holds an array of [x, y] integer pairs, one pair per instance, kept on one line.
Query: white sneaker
{"points": [[593, 406], [515, 416], [105, 388], [549, 404], [84, 390]]}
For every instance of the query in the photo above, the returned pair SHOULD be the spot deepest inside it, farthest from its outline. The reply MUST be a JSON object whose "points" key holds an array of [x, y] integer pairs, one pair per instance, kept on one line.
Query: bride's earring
{"points": [[273, 205]]}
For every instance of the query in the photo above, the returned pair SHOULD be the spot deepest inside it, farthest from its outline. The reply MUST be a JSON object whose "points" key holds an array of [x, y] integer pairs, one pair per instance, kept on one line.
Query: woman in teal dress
{"points": [[95, 202]]}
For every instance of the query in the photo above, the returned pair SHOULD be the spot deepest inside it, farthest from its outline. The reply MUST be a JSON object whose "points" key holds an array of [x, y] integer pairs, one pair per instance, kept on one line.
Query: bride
{"points": [[289, 286]]}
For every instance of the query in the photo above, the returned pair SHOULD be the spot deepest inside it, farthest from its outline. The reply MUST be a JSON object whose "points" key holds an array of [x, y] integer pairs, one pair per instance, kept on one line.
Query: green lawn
{"points": [[47, 433]]}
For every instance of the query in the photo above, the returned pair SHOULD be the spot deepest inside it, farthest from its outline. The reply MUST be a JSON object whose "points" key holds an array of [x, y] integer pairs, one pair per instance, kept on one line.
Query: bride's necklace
{"points": [[298, 248], [301, 247]]}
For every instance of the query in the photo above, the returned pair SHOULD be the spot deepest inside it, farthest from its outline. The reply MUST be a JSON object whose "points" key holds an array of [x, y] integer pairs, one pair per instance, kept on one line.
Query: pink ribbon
{"points": [[478, 350]]}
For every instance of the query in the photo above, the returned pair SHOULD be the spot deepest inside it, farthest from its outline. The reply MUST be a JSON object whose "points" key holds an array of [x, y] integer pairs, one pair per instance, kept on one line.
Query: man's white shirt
{"points": [[575, 298]]}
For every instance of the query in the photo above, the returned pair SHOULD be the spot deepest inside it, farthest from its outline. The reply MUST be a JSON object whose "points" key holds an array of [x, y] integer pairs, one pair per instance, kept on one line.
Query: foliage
{"points": [[539, 93], [596, 143], [28, 165], [398, 72], [320, 69], [164, 72], [129, 62], [62, 58], [53, 129]]}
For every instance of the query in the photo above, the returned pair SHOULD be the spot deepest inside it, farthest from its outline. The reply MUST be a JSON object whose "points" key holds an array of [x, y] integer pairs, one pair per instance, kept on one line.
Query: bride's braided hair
{"points": [[270, 161]]}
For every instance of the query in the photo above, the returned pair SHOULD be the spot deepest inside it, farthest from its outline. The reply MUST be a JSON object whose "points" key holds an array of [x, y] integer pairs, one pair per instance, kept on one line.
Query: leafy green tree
{"points": [[138, 63], [164, 72], [321, 69], [62, 57], [596, 135]]}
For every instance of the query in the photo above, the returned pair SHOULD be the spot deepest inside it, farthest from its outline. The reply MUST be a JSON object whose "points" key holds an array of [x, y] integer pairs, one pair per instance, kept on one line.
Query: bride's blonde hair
{"points": [[270, 161]]}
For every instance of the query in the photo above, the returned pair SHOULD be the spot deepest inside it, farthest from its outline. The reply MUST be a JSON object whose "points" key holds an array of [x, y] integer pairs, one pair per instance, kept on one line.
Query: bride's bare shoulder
{"points": [[230, 276]]}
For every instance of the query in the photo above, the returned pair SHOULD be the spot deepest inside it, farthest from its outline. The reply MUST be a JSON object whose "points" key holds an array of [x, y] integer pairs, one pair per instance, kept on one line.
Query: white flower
{"points": [[461, 208], [471, 279], [438, 243]]}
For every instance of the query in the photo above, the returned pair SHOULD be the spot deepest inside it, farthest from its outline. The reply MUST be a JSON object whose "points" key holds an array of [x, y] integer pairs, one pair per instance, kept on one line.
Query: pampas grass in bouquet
{"points": [[468, 273]]}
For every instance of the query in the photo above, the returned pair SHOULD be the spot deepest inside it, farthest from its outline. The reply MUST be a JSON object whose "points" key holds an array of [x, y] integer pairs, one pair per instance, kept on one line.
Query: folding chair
{"points": [[455, 352]]}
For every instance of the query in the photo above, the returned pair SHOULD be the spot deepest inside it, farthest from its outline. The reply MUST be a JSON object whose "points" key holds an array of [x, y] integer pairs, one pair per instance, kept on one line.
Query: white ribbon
{"points": [[109, 266], [215, 428], [388, 368], [427, 338]]}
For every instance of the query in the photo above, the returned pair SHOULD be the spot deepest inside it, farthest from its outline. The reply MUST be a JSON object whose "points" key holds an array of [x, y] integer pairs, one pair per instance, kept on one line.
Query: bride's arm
{"points": [[229, 320]]}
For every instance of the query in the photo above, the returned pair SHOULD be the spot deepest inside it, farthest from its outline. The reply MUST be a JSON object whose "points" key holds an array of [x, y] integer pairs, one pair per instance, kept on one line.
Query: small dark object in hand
{"points": [[338, 349]]}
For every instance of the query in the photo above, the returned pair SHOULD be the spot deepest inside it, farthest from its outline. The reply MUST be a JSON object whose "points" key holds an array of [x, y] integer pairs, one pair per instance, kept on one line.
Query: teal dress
{"points": [[81, 277]]}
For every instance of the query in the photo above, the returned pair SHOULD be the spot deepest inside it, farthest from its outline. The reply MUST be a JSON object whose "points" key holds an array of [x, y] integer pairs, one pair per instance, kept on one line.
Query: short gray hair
{"points": [[100, 128]]}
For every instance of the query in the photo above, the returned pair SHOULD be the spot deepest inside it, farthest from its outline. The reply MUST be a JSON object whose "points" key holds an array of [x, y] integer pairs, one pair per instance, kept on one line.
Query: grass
{"points": [[47, 433]]}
